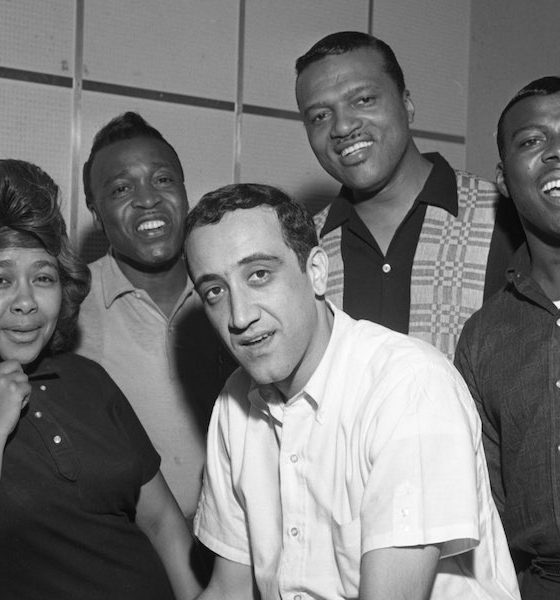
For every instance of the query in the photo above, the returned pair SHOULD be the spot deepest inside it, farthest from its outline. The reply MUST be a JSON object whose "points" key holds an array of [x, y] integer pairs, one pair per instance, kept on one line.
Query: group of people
{"points": [[345, 455]]}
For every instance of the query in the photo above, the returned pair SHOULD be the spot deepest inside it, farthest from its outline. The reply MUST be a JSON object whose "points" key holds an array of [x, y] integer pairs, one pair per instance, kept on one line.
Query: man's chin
{"points": [[152, 262]]}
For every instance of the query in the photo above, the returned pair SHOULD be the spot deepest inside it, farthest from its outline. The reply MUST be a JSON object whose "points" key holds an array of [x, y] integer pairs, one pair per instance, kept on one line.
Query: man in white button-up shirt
{"points": [[344, 459]]}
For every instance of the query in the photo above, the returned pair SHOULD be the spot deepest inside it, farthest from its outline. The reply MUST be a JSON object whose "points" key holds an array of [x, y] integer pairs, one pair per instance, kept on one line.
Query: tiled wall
{"points": [[215, 76]]}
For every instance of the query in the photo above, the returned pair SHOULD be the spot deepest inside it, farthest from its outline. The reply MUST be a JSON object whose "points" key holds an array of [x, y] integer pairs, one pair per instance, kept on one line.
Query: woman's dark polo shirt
{"points": [[509, 355], [71, 475]]}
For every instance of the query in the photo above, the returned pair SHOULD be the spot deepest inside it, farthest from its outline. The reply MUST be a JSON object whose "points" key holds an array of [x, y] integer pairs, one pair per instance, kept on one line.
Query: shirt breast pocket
{"points": [[347, 548]]}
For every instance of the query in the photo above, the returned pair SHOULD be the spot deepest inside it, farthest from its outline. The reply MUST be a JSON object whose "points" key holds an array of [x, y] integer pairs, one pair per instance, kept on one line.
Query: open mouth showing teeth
{"points": [[151, 225], [258, 340], [552, 187], [355, 147]]}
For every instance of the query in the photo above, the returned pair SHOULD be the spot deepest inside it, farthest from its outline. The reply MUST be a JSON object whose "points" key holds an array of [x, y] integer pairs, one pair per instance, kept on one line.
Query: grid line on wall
{"points": [[199, 101], [76, 126], [238, 120]]}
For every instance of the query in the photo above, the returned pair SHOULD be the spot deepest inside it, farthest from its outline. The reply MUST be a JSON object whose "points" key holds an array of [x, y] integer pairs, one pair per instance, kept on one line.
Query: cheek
{"points": [[51, 306], [219, 321]]}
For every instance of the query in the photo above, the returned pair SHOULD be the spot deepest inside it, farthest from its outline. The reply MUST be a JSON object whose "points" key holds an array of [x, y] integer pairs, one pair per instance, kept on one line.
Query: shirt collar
{"points": [[114, 283], [518, 275], [45, 369], [268, 399], [439, 190]]}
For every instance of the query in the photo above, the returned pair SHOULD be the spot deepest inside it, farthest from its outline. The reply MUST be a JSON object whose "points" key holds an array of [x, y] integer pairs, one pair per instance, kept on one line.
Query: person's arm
{"points": [[398, 573], [14, 394], [160, 518], [230, 581]]}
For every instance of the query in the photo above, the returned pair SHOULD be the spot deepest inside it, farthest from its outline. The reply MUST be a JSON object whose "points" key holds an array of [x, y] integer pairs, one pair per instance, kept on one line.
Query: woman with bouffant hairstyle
{"points": [[30, 218], [84, 510]]}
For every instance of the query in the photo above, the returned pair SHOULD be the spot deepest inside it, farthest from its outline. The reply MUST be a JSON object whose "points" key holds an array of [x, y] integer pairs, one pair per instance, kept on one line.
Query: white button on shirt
{"points": [[389, 454]]}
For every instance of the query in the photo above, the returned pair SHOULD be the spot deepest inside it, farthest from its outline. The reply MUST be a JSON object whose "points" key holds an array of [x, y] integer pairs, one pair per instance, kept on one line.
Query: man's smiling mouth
{"points": [[258, 339], [355, 147], [151, 226], [552, 188]]}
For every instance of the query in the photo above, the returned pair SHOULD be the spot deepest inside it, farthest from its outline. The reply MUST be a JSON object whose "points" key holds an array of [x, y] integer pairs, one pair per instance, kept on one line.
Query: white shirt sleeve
{"points": [[220, 521], [423, 449]]}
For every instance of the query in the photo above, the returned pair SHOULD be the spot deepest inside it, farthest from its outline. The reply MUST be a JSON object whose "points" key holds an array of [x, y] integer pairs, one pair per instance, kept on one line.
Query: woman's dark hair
{"points": [[30, 217]]}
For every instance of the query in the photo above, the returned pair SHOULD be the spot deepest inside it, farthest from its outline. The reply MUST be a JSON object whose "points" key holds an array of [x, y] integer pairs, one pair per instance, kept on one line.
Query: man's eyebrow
{"points": [[107, 181], [155, 165], [355, 89], [247, 260], [526, 127], [259, 257]]}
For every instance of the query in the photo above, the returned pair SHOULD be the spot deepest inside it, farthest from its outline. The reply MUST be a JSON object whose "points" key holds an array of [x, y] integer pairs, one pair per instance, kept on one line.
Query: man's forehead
{"points": [[359, 67], [141, 148], [239, 233], [532, 107], [249, 223]]}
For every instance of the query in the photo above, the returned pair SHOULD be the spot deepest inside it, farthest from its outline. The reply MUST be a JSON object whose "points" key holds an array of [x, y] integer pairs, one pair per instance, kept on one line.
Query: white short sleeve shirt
{"points": [[381, 448]]}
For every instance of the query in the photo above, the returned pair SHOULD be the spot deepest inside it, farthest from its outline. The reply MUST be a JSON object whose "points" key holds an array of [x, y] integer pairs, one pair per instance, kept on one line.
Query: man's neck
{"points": [[384, 210], [163, 286], [325, 322]]}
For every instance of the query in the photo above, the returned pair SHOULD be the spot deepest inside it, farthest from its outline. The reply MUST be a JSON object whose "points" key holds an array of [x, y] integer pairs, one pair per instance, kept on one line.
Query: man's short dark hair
{"points": [[545, 86], [127, 126], [347, 41], [296, 223], [30, 217]]}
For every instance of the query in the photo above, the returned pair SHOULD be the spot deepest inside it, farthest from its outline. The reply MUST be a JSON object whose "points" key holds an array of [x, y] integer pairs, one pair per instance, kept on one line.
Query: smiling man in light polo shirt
{"points": [[344, 459]]}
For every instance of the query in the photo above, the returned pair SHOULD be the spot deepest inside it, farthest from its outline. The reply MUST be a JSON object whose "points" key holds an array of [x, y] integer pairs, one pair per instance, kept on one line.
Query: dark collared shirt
{"points": [[71, 475], [509, 355], [377, 286]]}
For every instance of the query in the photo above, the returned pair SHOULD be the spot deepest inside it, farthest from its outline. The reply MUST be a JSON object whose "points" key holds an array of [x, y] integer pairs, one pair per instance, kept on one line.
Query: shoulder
{"points": [[388, 358], [468, 183], [320, 217], [486, 329], [77, 367], [97, 268], [85, 377]]}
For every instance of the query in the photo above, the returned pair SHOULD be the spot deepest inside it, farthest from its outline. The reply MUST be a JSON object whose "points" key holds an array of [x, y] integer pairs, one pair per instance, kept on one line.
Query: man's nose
{"points": [[552, 149], [345, 122], [243, 310], [145, 196]]}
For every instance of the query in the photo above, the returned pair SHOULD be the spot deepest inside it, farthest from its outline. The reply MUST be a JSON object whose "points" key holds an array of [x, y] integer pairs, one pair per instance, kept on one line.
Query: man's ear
{"points": [[501, 181], [318, 270], [98, 223], [409, 106]]}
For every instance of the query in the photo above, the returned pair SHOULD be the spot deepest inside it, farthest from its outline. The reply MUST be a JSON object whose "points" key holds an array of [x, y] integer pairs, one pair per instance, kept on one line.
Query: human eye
{"points": [[4, 281], [259, 276], [530, 139], [120, 189], [164, 178], [529, 142], [46, 279], [212, 294], [365, 100], [317, 118]]}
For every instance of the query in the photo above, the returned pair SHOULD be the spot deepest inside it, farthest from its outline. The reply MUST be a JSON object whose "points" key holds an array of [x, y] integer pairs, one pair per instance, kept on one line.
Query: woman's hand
{"points": [[14, 395]]}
